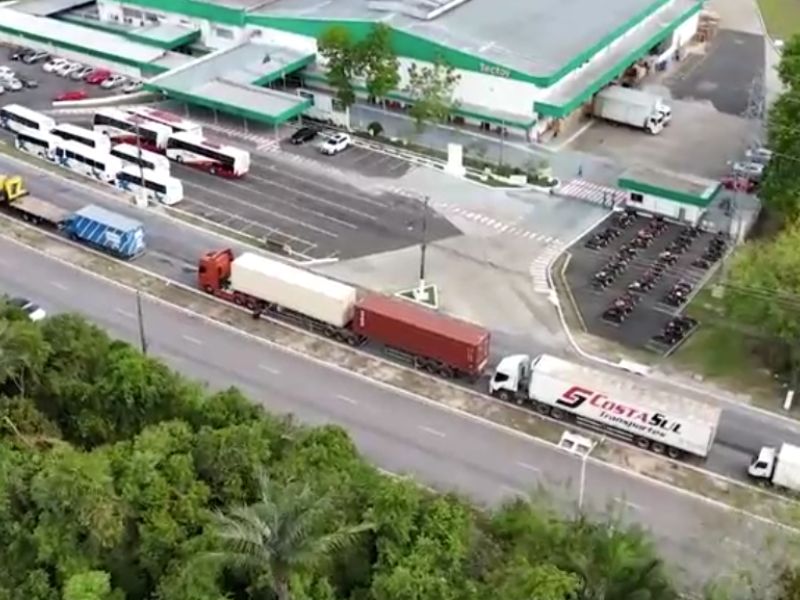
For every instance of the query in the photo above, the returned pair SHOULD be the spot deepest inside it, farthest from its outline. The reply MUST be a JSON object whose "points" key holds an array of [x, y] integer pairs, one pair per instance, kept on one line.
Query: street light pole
{"points": [[423, 246], [140, 316]]}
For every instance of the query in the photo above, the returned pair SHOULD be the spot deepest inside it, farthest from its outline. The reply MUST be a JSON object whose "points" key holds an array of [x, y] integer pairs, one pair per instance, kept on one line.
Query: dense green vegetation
{"points": [[120, 479]]}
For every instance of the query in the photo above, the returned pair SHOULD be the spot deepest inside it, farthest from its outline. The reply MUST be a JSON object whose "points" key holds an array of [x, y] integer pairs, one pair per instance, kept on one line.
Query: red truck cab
{"points": [[214, 271]]}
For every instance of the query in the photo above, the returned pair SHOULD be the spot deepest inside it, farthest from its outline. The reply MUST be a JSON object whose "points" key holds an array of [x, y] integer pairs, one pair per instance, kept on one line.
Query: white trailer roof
{"points": [[790, 453], [295, 276], [627, 388], [629, 95]]}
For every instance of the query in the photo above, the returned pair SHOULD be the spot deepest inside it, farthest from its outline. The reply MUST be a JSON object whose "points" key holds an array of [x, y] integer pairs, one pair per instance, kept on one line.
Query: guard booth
{"points": [[677, 196]]}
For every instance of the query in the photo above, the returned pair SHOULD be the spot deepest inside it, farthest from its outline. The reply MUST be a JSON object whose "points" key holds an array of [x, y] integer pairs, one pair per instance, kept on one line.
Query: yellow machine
{"points": [[11, 188]]}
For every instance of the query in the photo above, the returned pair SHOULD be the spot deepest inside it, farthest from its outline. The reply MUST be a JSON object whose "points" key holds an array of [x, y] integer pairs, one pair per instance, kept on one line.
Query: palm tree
{"points": [[280, 533]]}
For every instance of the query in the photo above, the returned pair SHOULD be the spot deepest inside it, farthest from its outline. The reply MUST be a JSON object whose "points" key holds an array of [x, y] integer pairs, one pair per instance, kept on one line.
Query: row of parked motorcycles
{"points": [[714, 252], [678, 294], [674, 331], [621, 308]]}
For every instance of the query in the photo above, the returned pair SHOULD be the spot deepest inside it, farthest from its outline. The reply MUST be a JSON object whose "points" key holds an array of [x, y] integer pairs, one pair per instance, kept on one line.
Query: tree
{"points": [[339, 50], [780, 189], [431, 89], [762, 290], [281, 534], [89, 585], [23, 353], [519, 580], [378, 62]]}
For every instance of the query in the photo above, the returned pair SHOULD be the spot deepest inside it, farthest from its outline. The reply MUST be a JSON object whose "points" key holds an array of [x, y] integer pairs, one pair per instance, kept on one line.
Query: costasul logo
{"points": [[617, 412]]}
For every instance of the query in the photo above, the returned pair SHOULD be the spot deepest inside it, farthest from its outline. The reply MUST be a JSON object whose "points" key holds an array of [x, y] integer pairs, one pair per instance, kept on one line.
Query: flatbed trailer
{"points": [[37, 211]]}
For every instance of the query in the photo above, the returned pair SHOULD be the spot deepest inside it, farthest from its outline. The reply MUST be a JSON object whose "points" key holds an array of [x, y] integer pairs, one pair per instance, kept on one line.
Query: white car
{"points": [[133, 86], [6, 72], [750, 170], [335, 144], [13, 85], [113, 81], [55, 63], [759, 155], [68, 69], [34, 311]]}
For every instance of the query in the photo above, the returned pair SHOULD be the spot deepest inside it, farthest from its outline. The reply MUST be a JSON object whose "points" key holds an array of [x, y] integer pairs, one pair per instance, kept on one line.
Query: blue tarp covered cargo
{"points": [[107, 230]]}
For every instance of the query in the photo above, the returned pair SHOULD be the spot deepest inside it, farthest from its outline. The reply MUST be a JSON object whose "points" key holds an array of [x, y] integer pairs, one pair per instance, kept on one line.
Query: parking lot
{"points": [[700, 140], [315, 216], [602, 277], [49, 86]]}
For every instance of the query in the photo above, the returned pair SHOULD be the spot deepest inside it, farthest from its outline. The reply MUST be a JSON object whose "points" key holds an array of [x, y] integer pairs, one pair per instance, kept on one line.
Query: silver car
{"points": [[13, 85], [750, 170], [79, 74]]}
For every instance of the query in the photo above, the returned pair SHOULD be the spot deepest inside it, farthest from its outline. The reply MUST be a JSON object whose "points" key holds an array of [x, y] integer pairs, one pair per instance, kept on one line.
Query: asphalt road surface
{"points": [[175, 247], [447, 450]]}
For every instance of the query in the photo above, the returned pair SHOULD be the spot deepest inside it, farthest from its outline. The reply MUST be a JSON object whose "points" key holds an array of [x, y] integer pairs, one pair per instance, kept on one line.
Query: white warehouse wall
{"points": [[671, 209]]}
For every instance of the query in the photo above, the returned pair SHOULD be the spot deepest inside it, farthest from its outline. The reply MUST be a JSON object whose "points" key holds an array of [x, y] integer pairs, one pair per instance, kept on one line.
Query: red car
{"points": [[97, 76], [740, 184], [71, 95]]}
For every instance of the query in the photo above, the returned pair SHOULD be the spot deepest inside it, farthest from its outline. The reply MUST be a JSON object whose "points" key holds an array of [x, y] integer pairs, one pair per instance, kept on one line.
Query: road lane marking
{"points": [[268, 369], [628, 504], [432, 431], [192, 340], [125, 313], [347, 399], [59, 285], [510, 490], [528, 467]]}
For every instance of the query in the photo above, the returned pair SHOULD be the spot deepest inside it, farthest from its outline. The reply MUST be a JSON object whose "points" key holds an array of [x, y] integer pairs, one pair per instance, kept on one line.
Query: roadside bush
{"points": [[375, 128]]}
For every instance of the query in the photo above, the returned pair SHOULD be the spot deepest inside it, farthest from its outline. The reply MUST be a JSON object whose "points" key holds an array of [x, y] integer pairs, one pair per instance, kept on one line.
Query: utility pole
{"points": [[502, 140], [140, 317], [423, 247]]}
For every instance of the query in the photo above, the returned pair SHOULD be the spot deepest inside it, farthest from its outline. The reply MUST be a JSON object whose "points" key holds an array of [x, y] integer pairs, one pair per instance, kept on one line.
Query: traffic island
{"points": [[427, 295]]}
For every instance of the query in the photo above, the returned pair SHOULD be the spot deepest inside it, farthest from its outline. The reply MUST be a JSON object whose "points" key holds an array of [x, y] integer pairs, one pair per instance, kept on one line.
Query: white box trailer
{"points": [[779, 466], [632, 107], [301, 291], [651, 418]]}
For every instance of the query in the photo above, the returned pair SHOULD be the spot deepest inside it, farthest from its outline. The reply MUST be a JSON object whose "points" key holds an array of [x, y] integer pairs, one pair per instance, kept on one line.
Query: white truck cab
{"points": [[763, 463], [510, 377], [665, 111], [778, 466]]}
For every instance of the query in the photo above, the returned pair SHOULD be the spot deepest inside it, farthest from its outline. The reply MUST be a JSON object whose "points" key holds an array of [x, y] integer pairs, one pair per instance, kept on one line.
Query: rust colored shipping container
{"points": [[438, 343]]}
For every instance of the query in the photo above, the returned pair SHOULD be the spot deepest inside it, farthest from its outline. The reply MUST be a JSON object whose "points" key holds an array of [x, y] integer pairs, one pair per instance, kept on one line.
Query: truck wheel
{"points": [[673, 453], [642, 443], [208, 289], [504, 395], [659, 448], [557, 414]]}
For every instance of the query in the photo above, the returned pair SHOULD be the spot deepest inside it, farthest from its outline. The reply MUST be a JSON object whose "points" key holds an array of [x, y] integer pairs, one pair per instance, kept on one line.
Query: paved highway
{"points": [[174, 248], [444, 449]]}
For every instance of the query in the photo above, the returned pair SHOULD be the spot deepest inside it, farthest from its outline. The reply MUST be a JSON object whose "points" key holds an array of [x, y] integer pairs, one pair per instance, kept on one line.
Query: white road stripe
{"points": [[503, 228], [268, 369], [59, 285], [528, 467], [513, 491], [192, 340], [631, 505], [347, 399], [432, 431], [125, 313]]}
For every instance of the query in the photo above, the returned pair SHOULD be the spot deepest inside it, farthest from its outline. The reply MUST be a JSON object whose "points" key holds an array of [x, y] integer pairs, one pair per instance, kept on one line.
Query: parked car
{"points": [[97, 76], [741, 184], [68, 69], [335, 144], [82, 73], [2, 90], [34, 311], [6, 72], [759, 155], [131, 87], [14, 85], [54, 63], [751, 170], [17, 52], [35, 56], [303, 135], [29, 83], [113, 81], [71, 95]]}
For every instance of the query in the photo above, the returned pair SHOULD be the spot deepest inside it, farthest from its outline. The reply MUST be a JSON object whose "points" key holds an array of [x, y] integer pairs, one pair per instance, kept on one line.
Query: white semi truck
{"points": [[633, 107], [653, 419], [778, 466]]}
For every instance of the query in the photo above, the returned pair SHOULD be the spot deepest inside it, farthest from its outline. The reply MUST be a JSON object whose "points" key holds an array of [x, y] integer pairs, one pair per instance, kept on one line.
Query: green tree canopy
{"points": [[431, 89]]}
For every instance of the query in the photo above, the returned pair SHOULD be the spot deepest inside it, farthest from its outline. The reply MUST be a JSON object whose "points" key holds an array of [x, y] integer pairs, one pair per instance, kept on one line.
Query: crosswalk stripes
{"points": [[581, 189], [498, 226], [539, 268]]}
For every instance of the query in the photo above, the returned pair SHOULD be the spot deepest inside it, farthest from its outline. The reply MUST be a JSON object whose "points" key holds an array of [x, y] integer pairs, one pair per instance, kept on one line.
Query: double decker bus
{"points": [[175, 123], [92, 139], [91, 162], [15, 117], [132, 155], [37, 143], [201, 153], [157, 186], [123, 127]]}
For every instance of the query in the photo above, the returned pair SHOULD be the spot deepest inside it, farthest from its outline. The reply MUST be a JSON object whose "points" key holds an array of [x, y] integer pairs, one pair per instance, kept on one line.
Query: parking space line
{"points": [[257, 208]]}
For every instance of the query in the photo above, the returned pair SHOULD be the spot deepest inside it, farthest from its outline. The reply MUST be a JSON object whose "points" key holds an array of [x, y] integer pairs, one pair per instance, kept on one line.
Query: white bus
{"points": [[88, 161], [176, 123], [38, 143], [16, 118], [87, 137], [209, 156], [131, 155], [123, 127], [158, 185]]}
